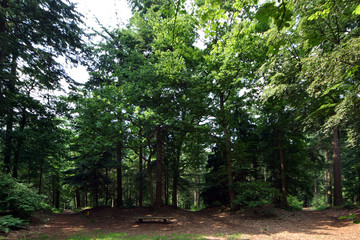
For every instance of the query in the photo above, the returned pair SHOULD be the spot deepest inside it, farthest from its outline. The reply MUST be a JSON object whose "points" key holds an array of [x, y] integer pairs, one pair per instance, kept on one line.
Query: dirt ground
{"points": [[259, 223]]}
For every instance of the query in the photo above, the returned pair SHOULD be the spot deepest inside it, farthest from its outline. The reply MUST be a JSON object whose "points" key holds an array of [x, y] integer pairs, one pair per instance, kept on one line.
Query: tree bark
{"points": [[40, 176], [83, 202], [119, 201], [9, 109], [358, 189], [19, 144], [328, 181], [174, 188], [159, 167], [57, 198], [96, 191], [78, 202], [176, 174], [227, 151], [166, 185], [150, 183], [141, 176], [106, 187], [338, 199], [283, 171]]}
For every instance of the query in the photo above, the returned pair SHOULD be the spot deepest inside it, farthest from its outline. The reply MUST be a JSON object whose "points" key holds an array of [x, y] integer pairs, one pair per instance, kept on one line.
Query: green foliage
{"points": [[357, 10], [270, 76], [319, 202], [253, 194], [281, 14], [8, 222], [294, 203], [351, 217], [17, 198]]}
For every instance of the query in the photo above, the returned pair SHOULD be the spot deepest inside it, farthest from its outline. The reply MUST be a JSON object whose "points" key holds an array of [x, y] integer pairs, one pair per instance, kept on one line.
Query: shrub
{"points": [[17, 198], [253, 194], [294, 203], [319, 202], [7, 222]]}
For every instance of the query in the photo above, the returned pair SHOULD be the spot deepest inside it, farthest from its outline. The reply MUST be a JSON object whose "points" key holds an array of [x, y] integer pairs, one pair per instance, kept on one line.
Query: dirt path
{"points": [[269, 223]]}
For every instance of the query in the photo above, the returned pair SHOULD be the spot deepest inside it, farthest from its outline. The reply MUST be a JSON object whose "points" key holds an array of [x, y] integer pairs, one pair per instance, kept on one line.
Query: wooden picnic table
{"points": [[143, 218]]}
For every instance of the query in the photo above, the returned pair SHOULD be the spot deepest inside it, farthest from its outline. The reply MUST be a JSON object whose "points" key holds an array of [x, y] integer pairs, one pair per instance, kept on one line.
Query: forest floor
{"points": [[211, 223]]}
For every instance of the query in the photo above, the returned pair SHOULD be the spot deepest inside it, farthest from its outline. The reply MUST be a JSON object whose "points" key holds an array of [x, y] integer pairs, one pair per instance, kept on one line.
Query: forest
{"points": [[241, 103]]}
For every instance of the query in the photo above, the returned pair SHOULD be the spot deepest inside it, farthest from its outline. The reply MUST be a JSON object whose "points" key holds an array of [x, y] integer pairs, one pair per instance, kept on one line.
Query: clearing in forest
{"points": [[212, 223]]}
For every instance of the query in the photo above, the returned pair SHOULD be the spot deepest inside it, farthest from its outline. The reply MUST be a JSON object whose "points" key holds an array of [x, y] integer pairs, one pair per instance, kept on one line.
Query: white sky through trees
{"points": [[108, 13]]}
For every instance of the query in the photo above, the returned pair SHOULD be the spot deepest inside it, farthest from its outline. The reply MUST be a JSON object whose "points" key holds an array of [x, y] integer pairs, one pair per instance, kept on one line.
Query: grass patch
{"points": [[40, 237], [45, 236], [97, 235]]}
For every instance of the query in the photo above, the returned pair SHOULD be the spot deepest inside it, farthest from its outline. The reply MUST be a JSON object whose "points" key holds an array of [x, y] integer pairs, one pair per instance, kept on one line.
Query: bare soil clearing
{"points": [[259, 223]]}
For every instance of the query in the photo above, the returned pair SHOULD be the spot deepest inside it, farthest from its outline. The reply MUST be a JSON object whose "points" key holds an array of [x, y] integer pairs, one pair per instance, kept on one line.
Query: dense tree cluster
{"points": [[265, 111]]}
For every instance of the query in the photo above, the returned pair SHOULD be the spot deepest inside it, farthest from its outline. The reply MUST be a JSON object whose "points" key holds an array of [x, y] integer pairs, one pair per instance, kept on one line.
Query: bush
{"points": [[17, 198], [253, 194], [7, 222], [294, 203], [319, 202]]}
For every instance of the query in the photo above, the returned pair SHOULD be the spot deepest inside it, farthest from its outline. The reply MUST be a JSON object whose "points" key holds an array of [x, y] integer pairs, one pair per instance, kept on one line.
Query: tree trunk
{"points": [[19, 144], [159, 167], [78, 202], [10, 116], [176, 176], [338, 199], [198, 200], [150, 183], [86, 199], [119, 201], [57, 198], [106, 187], [166, 187], [141, 176], [96, 191], [283, 173], [255, 166], [315, 190], [40, 178], [358, 190], [174, 188], [83, 202], [328, 181], [227, 151]]}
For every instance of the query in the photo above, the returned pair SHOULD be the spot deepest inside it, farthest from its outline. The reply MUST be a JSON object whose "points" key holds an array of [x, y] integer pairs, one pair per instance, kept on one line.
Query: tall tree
{"points": [[323, 72], [33, 35]]}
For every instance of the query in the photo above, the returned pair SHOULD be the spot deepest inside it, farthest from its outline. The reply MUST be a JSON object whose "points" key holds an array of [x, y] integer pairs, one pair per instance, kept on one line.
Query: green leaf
{"points": [[334, 87], [329, 105], [214, 26], [357, 10], [265, 12], [356, 221]]}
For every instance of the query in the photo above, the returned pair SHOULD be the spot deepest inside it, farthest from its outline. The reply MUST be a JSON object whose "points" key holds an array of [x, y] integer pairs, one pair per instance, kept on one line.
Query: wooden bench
{"points": [[143, 218]]}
